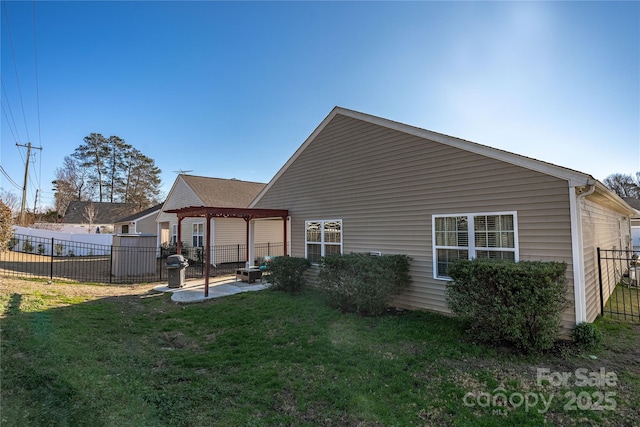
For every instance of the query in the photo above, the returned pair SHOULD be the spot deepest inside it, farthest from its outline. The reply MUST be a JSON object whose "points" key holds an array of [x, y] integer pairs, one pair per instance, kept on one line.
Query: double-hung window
{"points": [[467, 236], [198, 235], [322, 238], [174, 234]]}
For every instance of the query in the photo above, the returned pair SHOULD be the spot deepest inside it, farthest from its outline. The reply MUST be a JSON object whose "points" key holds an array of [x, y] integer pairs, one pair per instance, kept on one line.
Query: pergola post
{"points": [[179, 242], [251, 250], [207, 256], [284, 233]]}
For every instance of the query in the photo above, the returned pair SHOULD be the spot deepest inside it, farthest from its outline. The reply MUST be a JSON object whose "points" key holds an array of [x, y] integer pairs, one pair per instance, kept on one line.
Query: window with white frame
{"points": [[174, 234], [323, 237], [467, 236], [198, 234]]}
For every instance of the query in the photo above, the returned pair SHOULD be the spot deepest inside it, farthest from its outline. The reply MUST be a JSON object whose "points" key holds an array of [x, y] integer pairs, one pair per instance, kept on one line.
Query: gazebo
{"points": [[213, 212]]}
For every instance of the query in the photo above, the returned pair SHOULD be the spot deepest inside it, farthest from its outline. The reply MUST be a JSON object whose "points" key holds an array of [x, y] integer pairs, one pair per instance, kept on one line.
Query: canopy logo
{"points": [[501, 401]]}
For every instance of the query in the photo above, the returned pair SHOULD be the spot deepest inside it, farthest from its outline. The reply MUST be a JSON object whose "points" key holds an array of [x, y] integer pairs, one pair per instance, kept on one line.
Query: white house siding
{"points": [[147, 225], [181, 196], [269, 231], [385, 185], [602, 227], [233, 231]]}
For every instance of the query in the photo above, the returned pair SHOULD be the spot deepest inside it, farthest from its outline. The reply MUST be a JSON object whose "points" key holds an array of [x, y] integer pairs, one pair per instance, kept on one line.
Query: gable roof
{"points": [[140, 215], [106, 213], [223, 193], [634, 203], [574, 178]]}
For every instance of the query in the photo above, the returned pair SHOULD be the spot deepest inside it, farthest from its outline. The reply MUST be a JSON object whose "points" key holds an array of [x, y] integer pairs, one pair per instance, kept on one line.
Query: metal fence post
{"points": [[110, 264], [600, 281], [51, 267]]}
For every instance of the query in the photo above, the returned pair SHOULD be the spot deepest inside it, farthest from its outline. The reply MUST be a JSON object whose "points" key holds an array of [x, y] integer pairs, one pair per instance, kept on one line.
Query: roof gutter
{"points": [[576, 195]]}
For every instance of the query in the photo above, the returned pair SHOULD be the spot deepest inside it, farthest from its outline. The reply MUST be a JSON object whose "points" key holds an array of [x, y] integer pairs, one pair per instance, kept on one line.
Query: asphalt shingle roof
{"points": [[106, 213], [140, 214], [224, 193]]}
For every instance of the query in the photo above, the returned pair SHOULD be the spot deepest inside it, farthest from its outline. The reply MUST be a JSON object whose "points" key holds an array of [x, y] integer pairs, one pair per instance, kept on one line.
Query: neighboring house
{"points": [[361, 183], [140, 223], [635, 222], [196, 191], [89, 216]]}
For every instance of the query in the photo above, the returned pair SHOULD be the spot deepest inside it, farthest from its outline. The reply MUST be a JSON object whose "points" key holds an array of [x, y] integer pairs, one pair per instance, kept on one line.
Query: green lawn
{"points": [[624, 303], [268, 358]]}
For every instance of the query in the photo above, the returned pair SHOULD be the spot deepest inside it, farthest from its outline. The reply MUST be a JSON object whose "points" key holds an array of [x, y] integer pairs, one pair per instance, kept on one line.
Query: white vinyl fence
{"points": [[85, 241]]}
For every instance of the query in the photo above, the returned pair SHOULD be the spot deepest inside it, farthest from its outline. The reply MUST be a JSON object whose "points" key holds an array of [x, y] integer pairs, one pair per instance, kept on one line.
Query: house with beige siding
{"points": [[200, 191], [140, 223], [361, 183]]}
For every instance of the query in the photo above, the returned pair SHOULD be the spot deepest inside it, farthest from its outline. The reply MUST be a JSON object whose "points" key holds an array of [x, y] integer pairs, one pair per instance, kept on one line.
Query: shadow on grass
{"points": [[13, 307]]}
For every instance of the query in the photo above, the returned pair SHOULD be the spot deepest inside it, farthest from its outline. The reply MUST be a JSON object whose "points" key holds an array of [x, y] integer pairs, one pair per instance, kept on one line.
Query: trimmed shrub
{"points": [[27, 246], [362, 283], [6, 229], [287, 273], [587, 335], [517, 303]]}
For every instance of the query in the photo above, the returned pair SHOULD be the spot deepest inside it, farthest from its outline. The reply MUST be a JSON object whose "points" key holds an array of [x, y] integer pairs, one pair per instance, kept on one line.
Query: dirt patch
{"points": [[10, 285]]}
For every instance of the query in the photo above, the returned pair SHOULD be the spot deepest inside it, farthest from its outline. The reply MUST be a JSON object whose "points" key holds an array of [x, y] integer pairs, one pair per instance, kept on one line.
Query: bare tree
{"points": [[90, 214], [11, 200], [71, 183], [624, 185]]}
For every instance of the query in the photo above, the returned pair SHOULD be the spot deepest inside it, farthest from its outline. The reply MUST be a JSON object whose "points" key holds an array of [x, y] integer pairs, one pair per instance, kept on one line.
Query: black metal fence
{"points": [[31, 256], [619, 276]]}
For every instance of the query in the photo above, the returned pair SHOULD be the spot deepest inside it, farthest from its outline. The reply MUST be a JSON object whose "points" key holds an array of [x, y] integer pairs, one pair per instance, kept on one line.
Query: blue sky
{"points": [[232, 89]]}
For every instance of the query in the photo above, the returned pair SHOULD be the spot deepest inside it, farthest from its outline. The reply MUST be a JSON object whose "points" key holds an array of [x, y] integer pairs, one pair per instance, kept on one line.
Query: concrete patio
{"points": [[193, 290]]}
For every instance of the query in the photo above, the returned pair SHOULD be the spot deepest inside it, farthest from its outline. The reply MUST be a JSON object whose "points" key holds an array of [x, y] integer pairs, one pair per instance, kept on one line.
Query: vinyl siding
{"points": [[147, 225], [232, 231], [602, 228], [385, 185], [181, 196]]}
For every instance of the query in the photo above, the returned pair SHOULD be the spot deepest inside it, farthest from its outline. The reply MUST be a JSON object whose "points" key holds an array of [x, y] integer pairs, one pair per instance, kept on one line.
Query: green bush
{"points": [[13, 241], [587, 335], [27, 246], [362, 283], [287, 273], [516, 303], [58, 248], [6, 227]]}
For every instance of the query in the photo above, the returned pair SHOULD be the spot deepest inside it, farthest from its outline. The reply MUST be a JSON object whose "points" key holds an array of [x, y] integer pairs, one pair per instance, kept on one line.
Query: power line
{"points": [[4, 91], [11, 181], [4, 113], [35, 57], [15, 67]]}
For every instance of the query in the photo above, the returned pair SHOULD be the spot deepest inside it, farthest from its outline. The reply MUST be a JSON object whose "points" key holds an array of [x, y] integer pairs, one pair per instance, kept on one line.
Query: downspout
{"points": [[577, 243]]}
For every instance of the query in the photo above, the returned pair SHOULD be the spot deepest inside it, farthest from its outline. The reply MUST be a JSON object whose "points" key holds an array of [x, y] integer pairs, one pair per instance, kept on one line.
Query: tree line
{"points": [[106, 170], [624, 185]]}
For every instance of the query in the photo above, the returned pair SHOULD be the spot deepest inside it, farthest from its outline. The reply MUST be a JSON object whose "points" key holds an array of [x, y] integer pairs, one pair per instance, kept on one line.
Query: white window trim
{"points": [[174, 227], [471, 238], [204, 230], [322, 243]]}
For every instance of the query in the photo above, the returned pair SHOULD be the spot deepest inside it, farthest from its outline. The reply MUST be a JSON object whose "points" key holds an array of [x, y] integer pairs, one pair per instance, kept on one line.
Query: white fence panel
{"points": [[81, 244]]}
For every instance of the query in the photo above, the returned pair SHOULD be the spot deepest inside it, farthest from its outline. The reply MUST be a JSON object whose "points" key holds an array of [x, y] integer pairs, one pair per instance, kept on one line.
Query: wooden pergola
{"points": [[213, 212]]}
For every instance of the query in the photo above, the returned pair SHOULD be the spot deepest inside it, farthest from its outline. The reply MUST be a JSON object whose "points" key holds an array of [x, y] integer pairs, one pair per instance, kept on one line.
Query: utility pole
{"points": [[26, 178]]}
